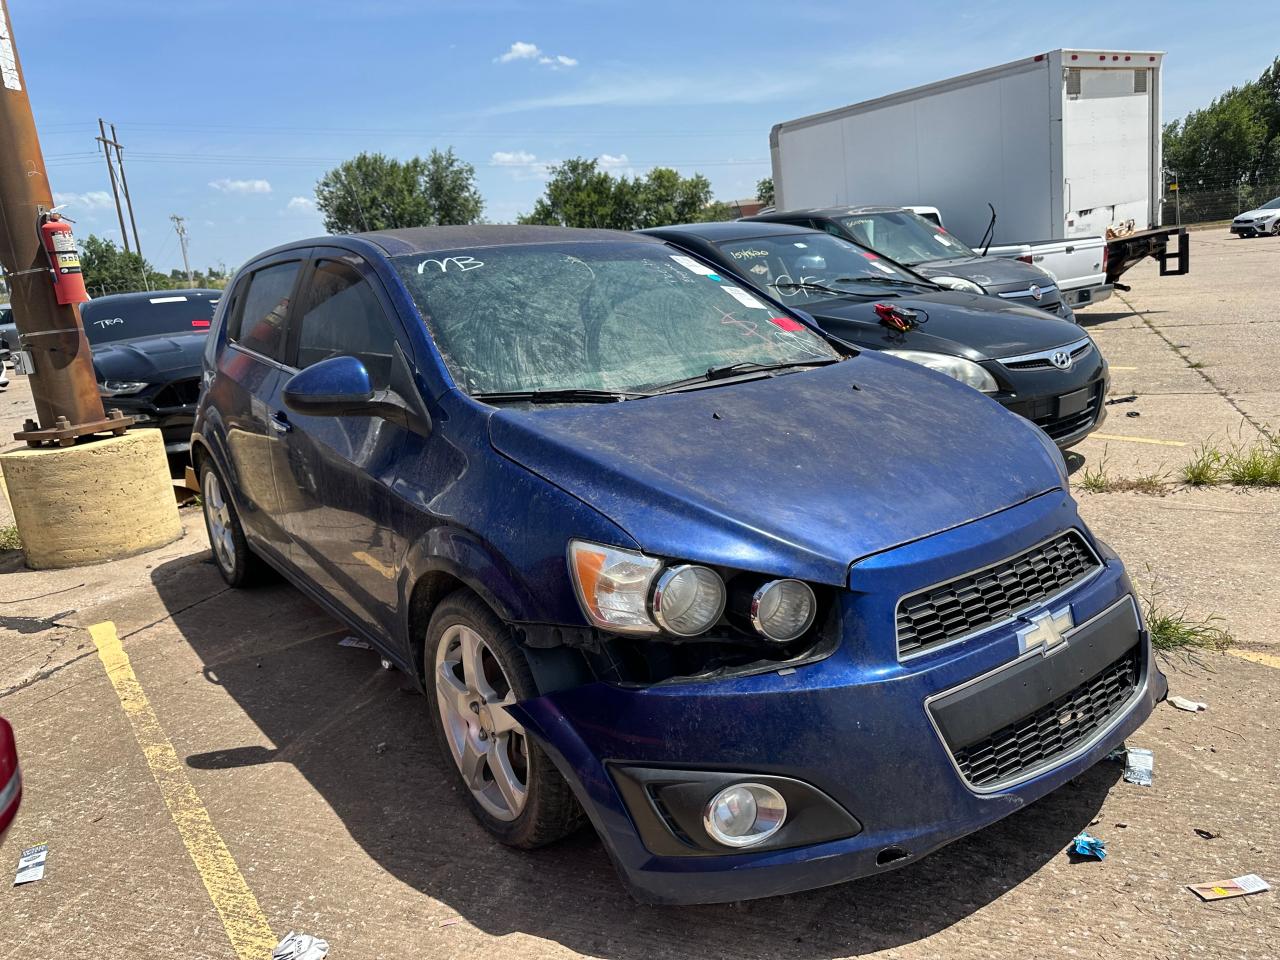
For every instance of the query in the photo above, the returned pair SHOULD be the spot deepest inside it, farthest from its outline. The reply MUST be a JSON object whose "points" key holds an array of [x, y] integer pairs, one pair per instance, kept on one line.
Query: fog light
{"points": [[744, 814], [688, 600], [783, 609]]}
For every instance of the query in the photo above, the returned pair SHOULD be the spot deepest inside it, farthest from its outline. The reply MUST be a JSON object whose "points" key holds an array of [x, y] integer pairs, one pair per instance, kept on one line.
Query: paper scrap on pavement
{"points": [[31, 864], [1139, 766], [354, 642], [1191, 706], [1223, 889]]}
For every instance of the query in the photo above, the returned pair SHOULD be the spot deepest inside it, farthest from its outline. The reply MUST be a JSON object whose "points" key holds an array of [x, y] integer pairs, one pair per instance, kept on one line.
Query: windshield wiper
{"points": [[897, 281], [746, 366], [559, 395]]}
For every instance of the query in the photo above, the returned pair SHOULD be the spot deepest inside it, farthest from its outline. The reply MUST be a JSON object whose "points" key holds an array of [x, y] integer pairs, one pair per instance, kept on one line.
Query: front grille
{"points": [[1059, 427], [1053, 730], [1043, 362], [180, 393], [973, 602]]}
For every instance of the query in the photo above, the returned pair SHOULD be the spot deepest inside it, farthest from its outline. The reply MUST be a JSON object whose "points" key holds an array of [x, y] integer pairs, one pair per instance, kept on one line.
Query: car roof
{"points": [[720, 230], [841, 211], [147, 296], [411, 240]]}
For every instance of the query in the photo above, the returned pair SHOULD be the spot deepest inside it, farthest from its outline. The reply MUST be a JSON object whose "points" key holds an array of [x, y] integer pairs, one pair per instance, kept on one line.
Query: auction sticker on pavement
{"points": [[31, 864]]}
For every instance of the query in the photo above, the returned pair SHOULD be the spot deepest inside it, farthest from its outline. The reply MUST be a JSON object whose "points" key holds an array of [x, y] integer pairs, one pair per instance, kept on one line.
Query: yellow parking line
{"points": [[242, 918], [1266, 659], [1116, 436]]}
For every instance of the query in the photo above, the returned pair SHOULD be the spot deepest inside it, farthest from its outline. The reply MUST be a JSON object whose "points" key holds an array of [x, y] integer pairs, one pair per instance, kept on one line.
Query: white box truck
{"points": [[1065, 145]]}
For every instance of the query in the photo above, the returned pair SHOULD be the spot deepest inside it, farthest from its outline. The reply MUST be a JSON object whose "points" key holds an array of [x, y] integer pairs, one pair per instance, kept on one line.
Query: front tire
{"points": [[239, 565], [474, 670]]}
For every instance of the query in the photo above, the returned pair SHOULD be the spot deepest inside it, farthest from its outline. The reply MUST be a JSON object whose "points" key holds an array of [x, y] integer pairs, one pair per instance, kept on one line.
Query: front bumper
{"points": [[174, 423], [856, 727]]}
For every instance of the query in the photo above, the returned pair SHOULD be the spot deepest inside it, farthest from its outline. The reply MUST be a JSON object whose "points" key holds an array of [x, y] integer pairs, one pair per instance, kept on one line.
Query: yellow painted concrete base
{"points": [[93, 502]]}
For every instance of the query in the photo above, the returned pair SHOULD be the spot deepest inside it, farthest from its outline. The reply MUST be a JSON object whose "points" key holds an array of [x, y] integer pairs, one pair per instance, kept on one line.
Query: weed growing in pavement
{"points": [[9, 539], [1205, 468], [1244, 465], [1097, 480], [1173, 631]]}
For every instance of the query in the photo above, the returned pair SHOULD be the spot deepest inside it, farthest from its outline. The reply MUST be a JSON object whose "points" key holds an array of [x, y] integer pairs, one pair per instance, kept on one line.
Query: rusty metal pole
{"points": [[63, 384]]}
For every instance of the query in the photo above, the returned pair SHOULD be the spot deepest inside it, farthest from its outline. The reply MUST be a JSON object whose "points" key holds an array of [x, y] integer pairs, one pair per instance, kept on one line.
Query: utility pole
{"points": [[124, 183], [111, 172], [63, 384], [180, 225]]}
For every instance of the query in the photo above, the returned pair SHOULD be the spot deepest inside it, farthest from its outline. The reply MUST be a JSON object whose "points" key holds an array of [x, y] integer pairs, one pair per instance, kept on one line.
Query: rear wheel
{"points": [[475, 670], [239, 565]]}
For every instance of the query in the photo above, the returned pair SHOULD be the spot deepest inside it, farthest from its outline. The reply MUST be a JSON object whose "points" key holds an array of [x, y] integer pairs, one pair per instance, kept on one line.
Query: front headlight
{"points": [[958, 283], [966, 371], [613, 586], [121, 388]]}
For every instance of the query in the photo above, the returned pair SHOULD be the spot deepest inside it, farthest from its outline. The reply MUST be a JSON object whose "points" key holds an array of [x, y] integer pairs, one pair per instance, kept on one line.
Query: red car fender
{"points": [[10, 778]]}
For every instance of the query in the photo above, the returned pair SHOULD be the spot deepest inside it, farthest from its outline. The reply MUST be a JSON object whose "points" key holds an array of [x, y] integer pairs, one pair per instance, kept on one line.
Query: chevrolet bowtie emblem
{"points": [[1046, 631]]}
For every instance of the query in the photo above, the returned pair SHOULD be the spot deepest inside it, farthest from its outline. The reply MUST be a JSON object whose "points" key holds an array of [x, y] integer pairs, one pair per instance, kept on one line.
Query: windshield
{"points": [[1271, 205], [778, 264], [111, 319], [904, 237], [621, 316]]}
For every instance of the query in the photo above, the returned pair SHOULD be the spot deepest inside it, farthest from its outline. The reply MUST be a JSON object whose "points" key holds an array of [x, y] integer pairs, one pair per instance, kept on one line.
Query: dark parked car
{"points": [[10, 778], [767, 611], [8, 335], [929, 250], [1046, 369], [146, 355]]}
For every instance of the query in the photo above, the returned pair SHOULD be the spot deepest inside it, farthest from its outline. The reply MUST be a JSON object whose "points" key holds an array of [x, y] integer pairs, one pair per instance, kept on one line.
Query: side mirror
{"points": [[336, 387], [340, 387]]}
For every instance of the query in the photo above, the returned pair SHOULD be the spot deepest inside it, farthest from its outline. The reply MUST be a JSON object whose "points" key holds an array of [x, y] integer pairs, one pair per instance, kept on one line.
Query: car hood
{"points": [[150, 359], [803, 473], [987, 272], [1254, 214], [960, 324]]}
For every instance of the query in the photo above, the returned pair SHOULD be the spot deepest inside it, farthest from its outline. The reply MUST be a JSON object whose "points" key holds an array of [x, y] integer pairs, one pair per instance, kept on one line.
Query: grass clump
{"points": [[1244, 465], [9, 539], [1095, 479], [1205, 468], [1174, 631]]}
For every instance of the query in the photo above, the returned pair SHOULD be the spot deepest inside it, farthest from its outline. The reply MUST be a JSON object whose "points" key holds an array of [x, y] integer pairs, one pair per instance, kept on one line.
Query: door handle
{"points": [[280, 423]]}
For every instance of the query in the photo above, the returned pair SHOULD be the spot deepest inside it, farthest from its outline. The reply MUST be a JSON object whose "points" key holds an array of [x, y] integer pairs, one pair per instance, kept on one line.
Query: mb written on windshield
{"points": [[620, 317]]}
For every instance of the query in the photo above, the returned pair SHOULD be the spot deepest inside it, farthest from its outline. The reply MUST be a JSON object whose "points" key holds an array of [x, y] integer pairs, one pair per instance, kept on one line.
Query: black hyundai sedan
{"points": [[146, 355], [1042, 367], [932, 252]]}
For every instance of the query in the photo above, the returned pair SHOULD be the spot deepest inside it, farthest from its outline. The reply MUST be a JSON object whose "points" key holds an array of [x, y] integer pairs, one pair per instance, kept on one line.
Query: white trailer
{"points": [[1065, 144]]}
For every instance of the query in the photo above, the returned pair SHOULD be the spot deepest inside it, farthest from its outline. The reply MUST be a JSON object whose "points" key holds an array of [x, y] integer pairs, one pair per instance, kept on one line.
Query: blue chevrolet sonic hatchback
{"points": [[768, 612]]}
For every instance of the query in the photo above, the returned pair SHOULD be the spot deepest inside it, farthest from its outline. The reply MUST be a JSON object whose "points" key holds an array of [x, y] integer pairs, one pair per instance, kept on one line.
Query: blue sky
{"points": [[231, 110]]}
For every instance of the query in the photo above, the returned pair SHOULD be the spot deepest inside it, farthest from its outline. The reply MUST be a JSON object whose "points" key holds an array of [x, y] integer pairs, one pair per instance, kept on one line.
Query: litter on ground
{"points": [[1236, 887], [354, 642], [31, 864], [1191, 706], [300, 946], [1139, 766], [1085, 845]]}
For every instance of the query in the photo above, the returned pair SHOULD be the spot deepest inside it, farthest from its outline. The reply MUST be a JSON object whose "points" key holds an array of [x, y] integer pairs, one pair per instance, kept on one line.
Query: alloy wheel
{"points": [[487, 744], [217, 513]]}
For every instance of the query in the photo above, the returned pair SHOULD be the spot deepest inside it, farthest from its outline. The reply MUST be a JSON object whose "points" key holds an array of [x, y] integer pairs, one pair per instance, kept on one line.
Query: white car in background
{"points": [[1260, 222]]}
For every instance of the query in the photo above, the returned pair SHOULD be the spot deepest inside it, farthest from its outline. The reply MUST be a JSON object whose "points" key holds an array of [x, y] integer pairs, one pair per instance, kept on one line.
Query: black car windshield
{"points": [[159, 315], [904, 237], [1271, 205], [789, 266], [620, 316]]}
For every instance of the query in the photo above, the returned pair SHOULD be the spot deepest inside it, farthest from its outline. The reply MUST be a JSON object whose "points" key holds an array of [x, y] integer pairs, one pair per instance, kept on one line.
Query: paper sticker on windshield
{"points": [[945, 241], [883, 268], [787, 324], [870, 256], [744, 298], [693, 266]]}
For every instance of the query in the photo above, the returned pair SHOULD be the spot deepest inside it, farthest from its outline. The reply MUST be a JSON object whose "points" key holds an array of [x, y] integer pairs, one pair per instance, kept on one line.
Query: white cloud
{"points": [[300, 205], [531, 51], [226, 185], [513, 158], [93, 200], [610, 162], [522, 164], [520, 51]]}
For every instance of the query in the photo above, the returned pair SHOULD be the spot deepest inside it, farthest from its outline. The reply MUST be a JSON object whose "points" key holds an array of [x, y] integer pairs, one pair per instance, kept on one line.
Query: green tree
{"points": [[374, 192], [580, 194], [764, 191], [108, 269]]}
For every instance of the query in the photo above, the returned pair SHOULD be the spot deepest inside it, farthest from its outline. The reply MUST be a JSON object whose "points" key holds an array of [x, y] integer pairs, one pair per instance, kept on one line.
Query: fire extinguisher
{"points": [[64, 259]]}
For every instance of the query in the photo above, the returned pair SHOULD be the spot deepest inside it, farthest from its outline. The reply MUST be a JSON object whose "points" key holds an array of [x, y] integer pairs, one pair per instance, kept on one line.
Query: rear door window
{"points": [[342, 317], [260, 323]]}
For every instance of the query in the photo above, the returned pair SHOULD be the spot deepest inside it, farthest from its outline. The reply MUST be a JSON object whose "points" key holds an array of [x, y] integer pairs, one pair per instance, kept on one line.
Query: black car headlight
{"points": [[121, 388]]}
